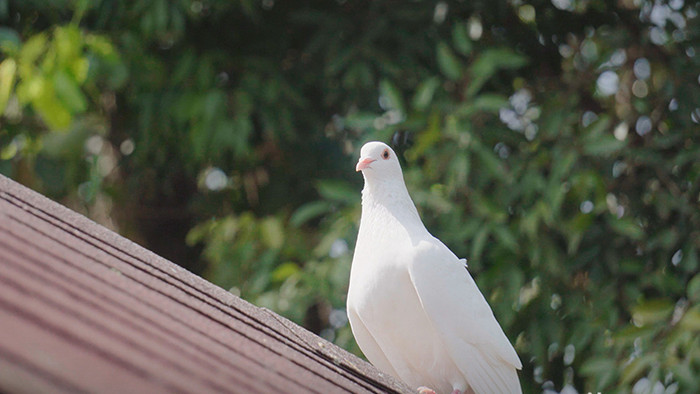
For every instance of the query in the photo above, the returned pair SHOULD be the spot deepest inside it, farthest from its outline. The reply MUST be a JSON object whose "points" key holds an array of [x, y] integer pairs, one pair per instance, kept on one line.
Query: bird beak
{"points": [[363, 163]]}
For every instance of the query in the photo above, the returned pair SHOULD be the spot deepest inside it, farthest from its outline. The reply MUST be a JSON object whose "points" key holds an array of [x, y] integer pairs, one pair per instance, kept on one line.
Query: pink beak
{"points": [[363, 163]]}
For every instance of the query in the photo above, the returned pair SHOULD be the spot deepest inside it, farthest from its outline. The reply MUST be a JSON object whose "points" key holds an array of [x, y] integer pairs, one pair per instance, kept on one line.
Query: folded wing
{"points": [[463, 318]]}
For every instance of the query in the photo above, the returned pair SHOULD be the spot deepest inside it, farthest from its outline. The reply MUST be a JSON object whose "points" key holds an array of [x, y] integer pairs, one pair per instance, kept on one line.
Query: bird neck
{"points": [[390, 200]]}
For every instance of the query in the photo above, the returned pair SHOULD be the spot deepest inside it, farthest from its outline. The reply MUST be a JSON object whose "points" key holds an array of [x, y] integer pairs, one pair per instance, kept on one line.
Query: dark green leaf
{"points": [[450, 66], [339, 191], [308, 212], [460, 38]]}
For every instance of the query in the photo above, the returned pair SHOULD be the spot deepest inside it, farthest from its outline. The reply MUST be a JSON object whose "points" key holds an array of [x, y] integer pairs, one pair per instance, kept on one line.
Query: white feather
{"points": [[414, 309]]}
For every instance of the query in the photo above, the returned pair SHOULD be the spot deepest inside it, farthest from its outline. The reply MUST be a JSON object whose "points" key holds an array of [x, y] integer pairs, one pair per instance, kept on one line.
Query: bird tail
{"points": [[488, 374]]}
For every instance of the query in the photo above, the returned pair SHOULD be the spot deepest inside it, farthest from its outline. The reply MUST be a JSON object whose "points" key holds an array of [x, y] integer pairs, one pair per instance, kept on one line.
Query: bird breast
{"points": [[384, 297], [382, 294]]}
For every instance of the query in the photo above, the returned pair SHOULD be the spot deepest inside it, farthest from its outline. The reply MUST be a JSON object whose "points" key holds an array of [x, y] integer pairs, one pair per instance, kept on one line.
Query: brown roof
{"points": [[83, 309]]}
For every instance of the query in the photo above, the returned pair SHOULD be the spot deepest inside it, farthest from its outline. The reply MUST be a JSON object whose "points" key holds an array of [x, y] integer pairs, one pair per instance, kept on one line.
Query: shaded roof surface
{"points": [[83, 309]]}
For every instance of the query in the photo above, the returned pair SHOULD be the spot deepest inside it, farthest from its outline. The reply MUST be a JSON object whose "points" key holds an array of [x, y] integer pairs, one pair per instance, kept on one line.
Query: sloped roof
{"points": [[83, 309]]}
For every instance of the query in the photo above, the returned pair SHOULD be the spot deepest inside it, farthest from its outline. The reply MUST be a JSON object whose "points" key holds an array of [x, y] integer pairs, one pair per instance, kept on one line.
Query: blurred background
{"points": [[554, 143]]}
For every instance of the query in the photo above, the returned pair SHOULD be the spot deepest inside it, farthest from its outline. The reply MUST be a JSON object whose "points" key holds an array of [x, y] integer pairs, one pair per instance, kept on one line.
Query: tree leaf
{"points": [[691, 319], [284, 271], [51, 109], [490, 61], [308, 212], [479, 243], [424, 93], [490, 162], [272, 232], [506, 237], [497, 58], [336, 190], [490, 102], [603, 145], [8, 69], [460, 38], [652, 311], [627, 227], [693, 289], [389, 92], [10, 41], [68, 91], [636, 367], [450, 66]]}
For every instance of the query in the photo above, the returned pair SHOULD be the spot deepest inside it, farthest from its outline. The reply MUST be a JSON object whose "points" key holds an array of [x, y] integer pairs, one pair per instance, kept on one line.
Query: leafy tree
{"points": [[552, 143]]}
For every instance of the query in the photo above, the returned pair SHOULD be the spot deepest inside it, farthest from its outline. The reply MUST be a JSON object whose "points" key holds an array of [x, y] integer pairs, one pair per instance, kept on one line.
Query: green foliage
{"points": [[50, 70], [553, 144]]}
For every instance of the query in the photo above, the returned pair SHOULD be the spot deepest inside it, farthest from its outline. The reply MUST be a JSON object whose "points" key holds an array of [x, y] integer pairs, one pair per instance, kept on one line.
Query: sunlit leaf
{"points": [[427, 138], [51, 109], [8, 151], [67, 43], [8, 68], [652, 311], [284, 271], [631, 333], [691, 319], [636, 367], [30, 52], [101, 46], [272, 232], [79, 68], [68, 91]]}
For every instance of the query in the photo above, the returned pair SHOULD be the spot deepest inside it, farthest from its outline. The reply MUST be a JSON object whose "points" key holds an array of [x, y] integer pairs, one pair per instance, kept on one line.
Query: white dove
{"points": [[414, 309]]}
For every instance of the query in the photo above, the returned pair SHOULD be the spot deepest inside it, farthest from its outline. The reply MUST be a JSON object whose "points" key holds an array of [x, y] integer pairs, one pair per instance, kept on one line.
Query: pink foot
{"points": [[456, 392]]}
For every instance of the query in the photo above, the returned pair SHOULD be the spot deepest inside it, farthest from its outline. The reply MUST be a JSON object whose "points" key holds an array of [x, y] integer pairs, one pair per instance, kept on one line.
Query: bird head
{"points": [[379, 162]]}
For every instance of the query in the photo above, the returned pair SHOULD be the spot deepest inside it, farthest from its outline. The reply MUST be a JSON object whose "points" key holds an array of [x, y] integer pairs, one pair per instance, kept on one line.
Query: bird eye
{"points": [[385, 154]]}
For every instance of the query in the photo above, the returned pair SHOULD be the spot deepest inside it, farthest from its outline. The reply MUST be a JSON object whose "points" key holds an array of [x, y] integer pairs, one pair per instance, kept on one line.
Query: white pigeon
{"points": [[414, 309]]}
